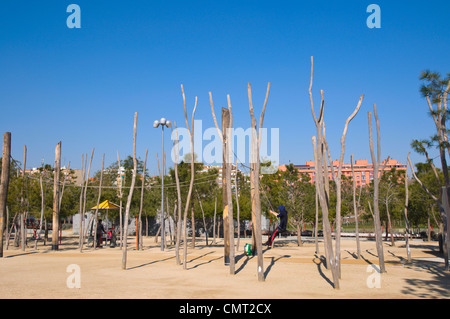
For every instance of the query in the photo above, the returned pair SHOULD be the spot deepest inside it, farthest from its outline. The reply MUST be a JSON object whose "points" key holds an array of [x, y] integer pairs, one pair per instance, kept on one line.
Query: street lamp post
{"points": [[163, 122]]}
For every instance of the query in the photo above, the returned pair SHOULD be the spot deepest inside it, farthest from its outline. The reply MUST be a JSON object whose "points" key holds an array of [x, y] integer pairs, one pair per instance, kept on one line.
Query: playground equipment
{"points": [[106, 206]]}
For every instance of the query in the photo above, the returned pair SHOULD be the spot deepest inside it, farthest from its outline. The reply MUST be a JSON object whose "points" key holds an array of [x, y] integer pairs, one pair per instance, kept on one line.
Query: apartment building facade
{"points": [[363, 170]]}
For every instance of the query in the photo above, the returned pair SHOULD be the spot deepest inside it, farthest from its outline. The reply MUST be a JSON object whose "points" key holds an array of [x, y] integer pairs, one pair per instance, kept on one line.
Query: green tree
{"points": [[422, 208], [294, 191], [392, 190]]}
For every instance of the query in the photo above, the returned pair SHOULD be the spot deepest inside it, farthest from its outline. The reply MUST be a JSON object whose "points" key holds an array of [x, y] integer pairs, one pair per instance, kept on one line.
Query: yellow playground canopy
{"points": [[106, 205]]}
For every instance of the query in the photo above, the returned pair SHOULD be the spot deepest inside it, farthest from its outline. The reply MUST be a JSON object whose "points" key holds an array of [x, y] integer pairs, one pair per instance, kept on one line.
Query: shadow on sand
{"points": [[321, 261]]}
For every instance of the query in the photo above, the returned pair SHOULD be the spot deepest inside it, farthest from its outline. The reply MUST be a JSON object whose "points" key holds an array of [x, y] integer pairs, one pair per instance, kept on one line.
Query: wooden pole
{"points": [[229, 163], [23, 234], [337, 180], [316, 226], [130, 195], [177, 180], [236, 189], [84, 201], [226, 223], [8, 232], [4, 183], [355, 210], [255, 142], [98, 203], [408, 250], [120, 203], [191, 183], [55, 227], [161, 176], [322, 182], [376, 181], [80, 209], [220, 134]]}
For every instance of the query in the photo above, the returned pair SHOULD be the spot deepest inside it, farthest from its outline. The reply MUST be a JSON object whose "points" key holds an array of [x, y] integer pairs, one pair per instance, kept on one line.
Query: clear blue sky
{"points": [[82, 86]]}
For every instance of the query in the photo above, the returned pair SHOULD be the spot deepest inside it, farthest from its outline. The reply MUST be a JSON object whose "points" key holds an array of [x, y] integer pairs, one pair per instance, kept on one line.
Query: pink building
{"points": [[363, 170]]}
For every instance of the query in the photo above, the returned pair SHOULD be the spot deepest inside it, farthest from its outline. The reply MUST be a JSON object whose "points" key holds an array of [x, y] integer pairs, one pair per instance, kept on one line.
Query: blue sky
{"points": [[82, 86]]}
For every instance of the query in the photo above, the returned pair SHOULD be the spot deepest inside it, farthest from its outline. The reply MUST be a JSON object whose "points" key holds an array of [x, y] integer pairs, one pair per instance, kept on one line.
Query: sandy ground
{"points": [[291, 272]]}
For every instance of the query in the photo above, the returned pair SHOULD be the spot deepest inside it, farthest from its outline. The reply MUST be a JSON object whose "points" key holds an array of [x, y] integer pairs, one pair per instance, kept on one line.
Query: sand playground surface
{"points": [[291, 272]]}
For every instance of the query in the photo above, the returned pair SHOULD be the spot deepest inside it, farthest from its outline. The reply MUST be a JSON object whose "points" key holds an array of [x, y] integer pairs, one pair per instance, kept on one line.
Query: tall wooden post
{"points": [[376, 182], [408, 250], [226, 223], [4, 183], [130, 195], [23, 234], [96, 240], [191, 183], [355, 210], [255, 143], [55, 226], [229, 192], [177, 180], [84, 200]]}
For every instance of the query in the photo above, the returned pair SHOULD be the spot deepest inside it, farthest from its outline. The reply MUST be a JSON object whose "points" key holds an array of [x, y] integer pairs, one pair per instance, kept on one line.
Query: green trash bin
{"points": [[248, 249]]}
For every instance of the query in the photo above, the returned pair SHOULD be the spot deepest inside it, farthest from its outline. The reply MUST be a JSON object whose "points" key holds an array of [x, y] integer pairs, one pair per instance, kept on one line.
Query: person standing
{"points": [[283, 216], [100, 232]]}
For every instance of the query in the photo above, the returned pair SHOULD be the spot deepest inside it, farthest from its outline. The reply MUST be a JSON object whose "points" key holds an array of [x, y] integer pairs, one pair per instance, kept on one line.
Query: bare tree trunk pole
{"points": [[6, 228], [177, 181], [55, 225], [255, 142], [120, 209], [236, 190], [326, 222], [98, 202], [163, 211], [221, 135], [337, 180], [322, 181], [84, 202], [193, 226], [229, 163], [162, 218], [376, 180], [355, 210], [130, 195], [23, 234], [316, 226], [191, 184], [80, 209], [4, 183], [408, 250], [386, 202], [225, 182]]}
